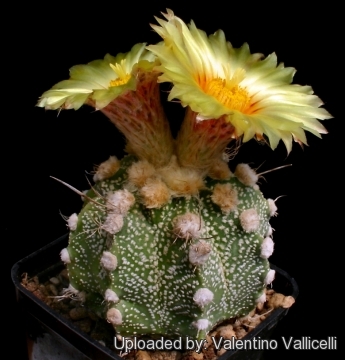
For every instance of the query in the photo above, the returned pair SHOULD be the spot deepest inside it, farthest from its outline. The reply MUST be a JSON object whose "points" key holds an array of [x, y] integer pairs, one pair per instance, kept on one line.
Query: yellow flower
{"points": [[100, 81], [253, 93]]}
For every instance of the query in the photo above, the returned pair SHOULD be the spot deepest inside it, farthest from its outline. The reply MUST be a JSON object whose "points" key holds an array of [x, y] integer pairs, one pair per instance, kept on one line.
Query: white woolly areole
{"points": [[270, 276], [109, 261], [201, 324], [267, 248], [120, 201], [261, 299], [111, 296], [188, 226], [225, 196], [113, 223], [199, 253], [269, 231], [72, 222], [139, 172], [181, 181], [250, 220], [107, 169], [246, 174], [114, 316], [220, 170], [272, 207], [155, 193], [203, 297], [64, 256]]}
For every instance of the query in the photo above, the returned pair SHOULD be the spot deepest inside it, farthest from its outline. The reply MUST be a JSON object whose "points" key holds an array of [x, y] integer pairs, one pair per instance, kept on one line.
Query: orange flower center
{"points": [[120, 81], [233, 97]]}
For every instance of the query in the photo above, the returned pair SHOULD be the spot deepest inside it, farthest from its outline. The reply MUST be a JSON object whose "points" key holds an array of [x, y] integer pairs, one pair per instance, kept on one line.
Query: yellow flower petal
{"points": [[99, 81], [254, 93]]}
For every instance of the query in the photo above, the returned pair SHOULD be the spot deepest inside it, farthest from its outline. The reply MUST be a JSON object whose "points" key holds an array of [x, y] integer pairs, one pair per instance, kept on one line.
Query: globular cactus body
{"points": [[174, 270]]}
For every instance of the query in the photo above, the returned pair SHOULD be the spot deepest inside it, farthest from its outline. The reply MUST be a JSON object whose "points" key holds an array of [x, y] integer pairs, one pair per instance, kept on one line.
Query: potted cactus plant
{"points": [[169, 241]]}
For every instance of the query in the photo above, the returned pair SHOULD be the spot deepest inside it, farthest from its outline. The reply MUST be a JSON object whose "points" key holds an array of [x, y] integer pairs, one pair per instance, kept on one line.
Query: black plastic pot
{"points": [[68, 342]]}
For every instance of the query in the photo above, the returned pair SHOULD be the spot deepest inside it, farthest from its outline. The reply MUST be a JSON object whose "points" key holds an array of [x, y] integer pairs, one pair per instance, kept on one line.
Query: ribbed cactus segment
{"points": [[174, 270]]}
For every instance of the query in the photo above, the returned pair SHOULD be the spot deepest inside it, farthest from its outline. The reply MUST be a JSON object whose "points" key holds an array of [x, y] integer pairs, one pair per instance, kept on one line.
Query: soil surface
{"points": [[53, 294]]}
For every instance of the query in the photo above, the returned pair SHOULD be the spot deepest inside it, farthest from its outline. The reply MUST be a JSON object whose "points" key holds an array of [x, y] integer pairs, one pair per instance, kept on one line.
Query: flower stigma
{"points": [[122, 78], [233, 97]]}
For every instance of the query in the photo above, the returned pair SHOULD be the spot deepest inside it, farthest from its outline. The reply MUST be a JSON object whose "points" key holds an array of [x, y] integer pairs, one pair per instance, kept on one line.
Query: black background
{"points": [[45, 41]]}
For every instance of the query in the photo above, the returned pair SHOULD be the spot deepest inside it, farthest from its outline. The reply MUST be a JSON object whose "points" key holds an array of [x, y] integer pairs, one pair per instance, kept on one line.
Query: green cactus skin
{"points": [[155, 281]]}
